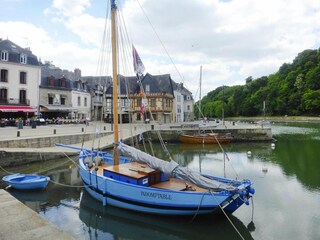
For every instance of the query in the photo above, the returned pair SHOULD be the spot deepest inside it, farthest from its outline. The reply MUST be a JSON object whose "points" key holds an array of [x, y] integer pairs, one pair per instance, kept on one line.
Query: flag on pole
{"points": [[144, 104], [142, 108], [137, 63]]}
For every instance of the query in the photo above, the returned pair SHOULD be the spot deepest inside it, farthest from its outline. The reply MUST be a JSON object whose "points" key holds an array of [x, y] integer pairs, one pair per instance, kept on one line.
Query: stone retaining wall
{"points": [[50, 141], [239, 135]]}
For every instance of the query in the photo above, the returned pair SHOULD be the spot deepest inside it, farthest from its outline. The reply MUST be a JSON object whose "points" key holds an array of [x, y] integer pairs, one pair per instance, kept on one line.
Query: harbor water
{"points": [[286, 205]]}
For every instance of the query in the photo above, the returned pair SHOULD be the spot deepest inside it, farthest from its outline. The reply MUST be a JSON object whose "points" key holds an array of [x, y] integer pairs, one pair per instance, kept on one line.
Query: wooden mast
{"points": [[200, 83], [115, 80]]}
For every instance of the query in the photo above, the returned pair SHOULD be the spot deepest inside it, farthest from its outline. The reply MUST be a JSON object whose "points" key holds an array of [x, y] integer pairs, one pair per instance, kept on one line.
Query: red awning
{"points": [[6, 108]]}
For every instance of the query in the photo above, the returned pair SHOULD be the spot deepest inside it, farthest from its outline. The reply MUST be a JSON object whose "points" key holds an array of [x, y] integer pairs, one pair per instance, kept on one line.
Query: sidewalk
{"points": [[20, 222], [13, 133]]}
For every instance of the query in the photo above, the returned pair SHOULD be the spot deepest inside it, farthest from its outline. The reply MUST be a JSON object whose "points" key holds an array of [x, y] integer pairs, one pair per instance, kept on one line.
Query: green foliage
{"points": [[293, 90]]}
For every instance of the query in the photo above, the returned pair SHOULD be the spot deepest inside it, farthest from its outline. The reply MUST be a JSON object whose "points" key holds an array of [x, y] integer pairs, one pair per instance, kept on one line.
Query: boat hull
{"points": [[26, 181], [153, 200], [204, 139]]}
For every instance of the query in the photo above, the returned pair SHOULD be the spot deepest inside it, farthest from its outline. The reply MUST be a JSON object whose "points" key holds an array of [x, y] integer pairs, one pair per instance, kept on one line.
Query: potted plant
{"points": [[33, 122]]}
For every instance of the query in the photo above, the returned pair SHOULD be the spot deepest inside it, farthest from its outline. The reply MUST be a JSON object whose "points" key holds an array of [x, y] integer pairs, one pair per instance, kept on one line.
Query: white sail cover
{"points": [[172, 169]]}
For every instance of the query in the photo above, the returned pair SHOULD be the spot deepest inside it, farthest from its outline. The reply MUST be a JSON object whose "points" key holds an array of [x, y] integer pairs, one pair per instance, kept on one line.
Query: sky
{"points": [[230, 39]]}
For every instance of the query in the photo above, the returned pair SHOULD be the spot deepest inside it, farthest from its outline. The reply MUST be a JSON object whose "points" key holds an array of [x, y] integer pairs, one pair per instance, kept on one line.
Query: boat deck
{"points": [[178, 185], [136, 170]]}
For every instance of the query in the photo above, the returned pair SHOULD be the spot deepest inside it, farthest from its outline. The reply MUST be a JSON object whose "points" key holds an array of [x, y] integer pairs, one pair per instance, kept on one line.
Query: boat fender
{"points": [[97, 161], [82, 154], [88, 162], [251, 190]]}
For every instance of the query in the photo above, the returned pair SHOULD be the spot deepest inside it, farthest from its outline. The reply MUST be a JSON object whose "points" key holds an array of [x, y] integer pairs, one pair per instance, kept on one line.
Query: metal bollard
{"points": [[104, 128], [18, 133], [54, 131], [82, 129]]}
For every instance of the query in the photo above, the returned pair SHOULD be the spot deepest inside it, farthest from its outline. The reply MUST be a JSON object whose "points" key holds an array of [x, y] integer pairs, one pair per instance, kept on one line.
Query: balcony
{"points": [[15, 101]]}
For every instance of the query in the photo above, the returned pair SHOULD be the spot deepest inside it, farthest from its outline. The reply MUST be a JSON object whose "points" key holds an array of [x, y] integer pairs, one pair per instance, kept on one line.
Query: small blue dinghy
{"points": [[26, 181]]}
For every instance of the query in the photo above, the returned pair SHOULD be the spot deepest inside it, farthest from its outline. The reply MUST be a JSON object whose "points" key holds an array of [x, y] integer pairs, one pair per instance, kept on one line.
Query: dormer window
{"points": [[79, 85], [4, 56], [147, 88], [63, 82], [51, 81], [23, 59]]}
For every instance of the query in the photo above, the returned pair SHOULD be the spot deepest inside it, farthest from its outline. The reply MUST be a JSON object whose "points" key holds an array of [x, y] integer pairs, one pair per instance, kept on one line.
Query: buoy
{"points": [[273, 146], [249, 153]]}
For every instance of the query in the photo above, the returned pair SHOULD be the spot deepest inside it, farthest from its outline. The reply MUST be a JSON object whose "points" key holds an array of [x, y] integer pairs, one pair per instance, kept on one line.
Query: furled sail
{"points": [[173, 169]]}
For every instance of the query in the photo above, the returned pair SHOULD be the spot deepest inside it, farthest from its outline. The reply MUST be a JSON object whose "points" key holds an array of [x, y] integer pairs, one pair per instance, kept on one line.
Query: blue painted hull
{"points": [[157, 201], [26, 181]]}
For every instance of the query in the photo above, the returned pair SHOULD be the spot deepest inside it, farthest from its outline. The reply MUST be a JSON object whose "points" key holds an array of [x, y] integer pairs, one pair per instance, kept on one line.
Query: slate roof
{"points": [[131, 83], [179, 87], [94, 81], [158, 84], [15, 51]]}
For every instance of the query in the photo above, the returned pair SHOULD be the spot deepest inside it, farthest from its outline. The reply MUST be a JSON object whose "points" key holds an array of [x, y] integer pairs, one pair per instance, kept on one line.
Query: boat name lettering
{"points": [[156, 195]]}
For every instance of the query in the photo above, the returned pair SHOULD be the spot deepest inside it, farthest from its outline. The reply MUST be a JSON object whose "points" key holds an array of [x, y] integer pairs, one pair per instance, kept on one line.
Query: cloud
{"points": [[19, 33], [69, 8], [230, 39]]}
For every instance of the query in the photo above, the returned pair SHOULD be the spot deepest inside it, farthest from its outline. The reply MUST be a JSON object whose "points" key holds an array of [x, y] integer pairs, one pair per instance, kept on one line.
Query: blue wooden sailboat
{"points": [[144, 183], [26, 181]]}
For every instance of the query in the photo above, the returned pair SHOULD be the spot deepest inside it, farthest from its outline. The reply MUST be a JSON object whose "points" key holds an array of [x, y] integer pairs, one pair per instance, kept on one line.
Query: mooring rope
{"points": [[235, 228], [67, 185], [6, 170], [194, 216]]}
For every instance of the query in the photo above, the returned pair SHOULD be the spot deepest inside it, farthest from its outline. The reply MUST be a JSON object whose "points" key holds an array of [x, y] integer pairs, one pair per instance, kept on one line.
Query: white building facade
{"points": [[20, 76]]}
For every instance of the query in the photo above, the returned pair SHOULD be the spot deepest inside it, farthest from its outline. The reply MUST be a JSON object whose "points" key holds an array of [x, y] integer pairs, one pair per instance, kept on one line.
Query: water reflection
{"points": [[128, 224], [286, 178]]}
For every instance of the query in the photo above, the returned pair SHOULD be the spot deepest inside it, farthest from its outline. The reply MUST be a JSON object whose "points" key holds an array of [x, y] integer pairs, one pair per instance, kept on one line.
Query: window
{"points": [[85, 101], [50, 98], [23, 97], [109, 102], [188, 107], [179, 108], [147, 88], [62, 82], [3, 95], [138, 116], [79, 101], [63, 100], [153, 102], [4, 75], [139, 102], [51, 81], [4, 56], [79, 85], [23, 59], [178, 98], [154, 117], [23, 77]]}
